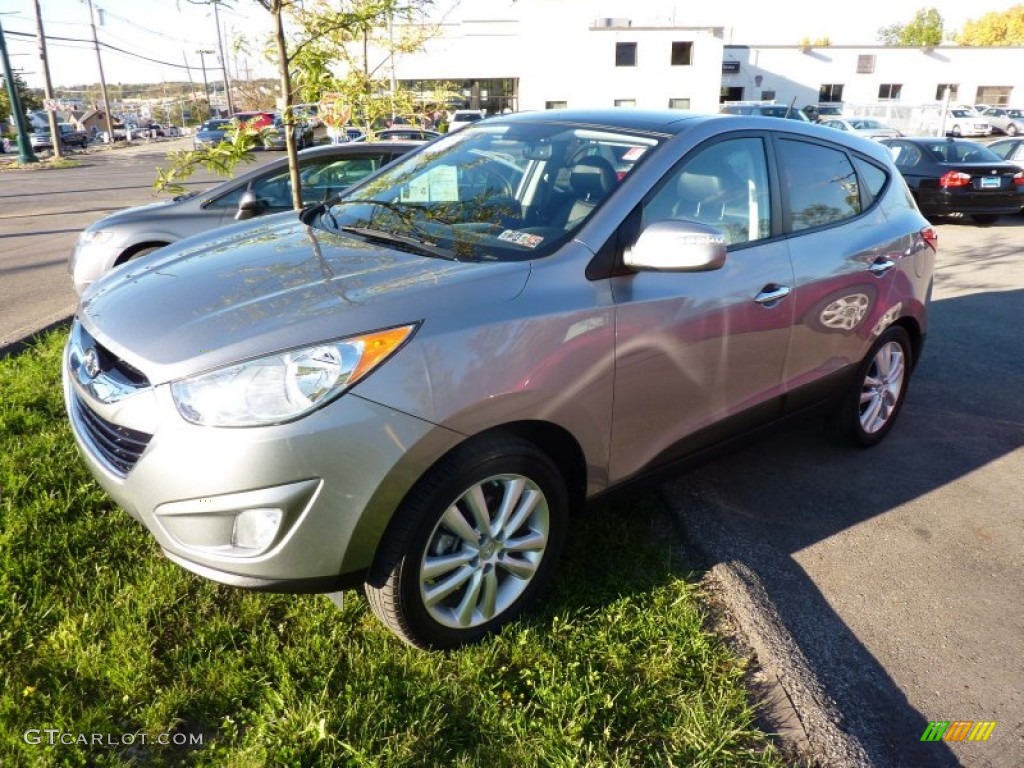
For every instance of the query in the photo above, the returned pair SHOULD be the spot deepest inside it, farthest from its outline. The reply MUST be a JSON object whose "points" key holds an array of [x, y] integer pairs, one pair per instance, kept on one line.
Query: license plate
{"points": [[988, 182]]}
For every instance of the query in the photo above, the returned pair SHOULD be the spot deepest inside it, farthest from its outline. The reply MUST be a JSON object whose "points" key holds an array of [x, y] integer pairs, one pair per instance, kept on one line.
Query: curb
{"points": [[25, 338], [789, 697]]}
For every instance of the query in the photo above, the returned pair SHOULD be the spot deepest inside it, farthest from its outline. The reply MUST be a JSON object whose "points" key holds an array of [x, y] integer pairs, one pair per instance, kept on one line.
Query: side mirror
{"points": [[249, 206], [677, 246]]}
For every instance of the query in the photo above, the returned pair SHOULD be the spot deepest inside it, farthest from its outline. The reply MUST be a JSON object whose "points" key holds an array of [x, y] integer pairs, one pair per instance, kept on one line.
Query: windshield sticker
{"points": [[524, 239], [634, 154], [438, 185]]}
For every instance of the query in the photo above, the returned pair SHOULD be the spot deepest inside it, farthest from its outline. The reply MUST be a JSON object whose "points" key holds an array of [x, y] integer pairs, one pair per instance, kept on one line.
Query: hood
{"points": [[251, 290], [138, 212]]}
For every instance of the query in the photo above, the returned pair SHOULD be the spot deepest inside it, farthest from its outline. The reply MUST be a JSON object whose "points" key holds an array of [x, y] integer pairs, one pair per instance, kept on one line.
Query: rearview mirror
{"points": [[249, 206], [677, 246]]}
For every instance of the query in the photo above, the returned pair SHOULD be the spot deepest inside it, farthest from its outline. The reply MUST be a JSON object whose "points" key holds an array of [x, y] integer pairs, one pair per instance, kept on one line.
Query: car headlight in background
{"points": [[94, 237], [285, 386]]}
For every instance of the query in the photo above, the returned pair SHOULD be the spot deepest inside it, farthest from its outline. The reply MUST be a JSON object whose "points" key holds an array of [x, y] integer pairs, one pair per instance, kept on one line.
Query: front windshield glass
{"points": [[501, 191]]}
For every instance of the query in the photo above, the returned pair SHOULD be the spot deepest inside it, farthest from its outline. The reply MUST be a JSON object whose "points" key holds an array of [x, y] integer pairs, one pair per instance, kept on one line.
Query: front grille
{"points": [[119, 448]]}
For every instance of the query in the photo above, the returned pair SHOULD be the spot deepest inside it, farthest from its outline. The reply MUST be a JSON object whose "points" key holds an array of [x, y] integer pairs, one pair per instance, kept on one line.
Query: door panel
{"points": [[695, 348]]}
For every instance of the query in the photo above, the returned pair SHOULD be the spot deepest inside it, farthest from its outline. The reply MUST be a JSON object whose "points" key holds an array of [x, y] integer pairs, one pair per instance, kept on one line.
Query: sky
{"points": [[168, 31]]}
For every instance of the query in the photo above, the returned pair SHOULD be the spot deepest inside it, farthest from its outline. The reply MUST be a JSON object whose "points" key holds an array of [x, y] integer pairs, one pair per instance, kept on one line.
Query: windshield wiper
{"points": [[416, 245]]}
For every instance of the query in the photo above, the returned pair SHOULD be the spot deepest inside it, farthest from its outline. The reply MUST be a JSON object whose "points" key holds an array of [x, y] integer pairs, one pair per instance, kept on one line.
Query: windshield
{"points": [[215, 125], [867, 124], [497, 191]]}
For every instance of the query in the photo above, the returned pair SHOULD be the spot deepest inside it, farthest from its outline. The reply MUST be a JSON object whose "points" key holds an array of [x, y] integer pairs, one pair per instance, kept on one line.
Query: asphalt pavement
{"points": [[883, 588]]}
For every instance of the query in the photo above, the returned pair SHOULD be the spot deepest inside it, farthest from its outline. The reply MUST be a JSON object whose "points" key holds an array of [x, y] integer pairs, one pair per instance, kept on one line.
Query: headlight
{"points": [[94, 237], [283, 387]]}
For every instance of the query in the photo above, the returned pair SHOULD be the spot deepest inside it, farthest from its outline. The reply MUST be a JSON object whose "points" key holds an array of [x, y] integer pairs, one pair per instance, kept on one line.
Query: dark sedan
{"points": [[958, 176]]}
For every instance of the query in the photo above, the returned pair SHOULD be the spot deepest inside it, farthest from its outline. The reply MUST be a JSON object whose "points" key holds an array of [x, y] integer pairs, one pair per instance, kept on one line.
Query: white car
{"points": [[965, 122], [463, 117], [868, 127], [1008, 120]]}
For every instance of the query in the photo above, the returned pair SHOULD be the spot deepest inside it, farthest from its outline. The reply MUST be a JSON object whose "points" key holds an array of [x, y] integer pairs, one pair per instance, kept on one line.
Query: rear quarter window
{"points": [[872, 181], [818, 182]]}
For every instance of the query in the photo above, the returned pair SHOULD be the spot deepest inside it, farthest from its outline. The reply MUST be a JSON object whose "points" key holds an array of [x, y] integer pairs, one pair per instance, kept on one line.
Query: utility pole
{"points": [[25, 153], [103, 81], [206, 85], [223, 61], [48, 86], [192, 88]]}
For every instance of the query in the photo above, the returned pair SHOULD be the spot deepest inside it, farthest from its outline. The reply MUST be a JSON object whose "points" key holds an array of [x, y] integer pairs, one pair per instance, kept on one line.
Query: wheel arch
{"points": [[135, 248], [913, 329]]}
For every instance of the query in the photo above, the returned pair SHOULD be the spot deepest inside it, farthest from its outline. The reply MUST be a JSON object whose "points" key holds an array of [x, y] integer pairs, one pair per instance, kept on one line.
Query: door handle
{"points": [[881, 266], [772, 294]]}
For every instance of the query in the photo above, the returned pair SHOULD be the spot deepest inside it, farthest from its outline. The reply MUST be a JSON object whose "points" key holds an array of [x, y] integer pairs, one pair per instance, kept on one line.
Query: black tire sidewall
{"points": [[399, 557], [850, 413]]}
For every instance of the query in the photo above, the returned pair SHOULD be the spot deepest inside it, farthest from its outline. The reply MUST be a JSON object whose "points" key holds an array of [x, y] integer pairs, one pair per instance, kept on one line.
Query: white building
{"points": [[544, 55], [533, 54], [871, 74]]}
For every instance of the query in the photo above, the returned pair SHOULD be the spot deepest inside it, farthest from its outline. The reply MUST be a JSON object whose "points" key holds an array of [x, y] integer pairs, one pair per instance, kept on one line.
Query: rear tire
{"points": [[474, 542], [1011, 129], [876, 396]]}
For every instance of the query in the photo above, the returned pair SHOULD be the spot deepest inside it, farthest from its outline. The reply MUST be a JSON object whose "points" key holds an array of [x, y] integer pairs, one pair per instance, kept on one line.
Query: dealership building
{"points": [[533, 55]]}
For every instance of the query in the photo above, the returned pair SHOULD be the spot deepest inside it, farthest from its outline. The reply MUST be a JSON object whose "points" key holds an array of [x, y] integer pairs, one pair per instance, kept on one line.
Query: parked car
{"points": [[966, 122], [211, 133], [400, 134], [41, 139], [414, 385], [5, 145], [1011, 150], [463, 117], [868, 127], [820, 112], [134, 232], [958, 176], [274, 136], [1008, 120], [766, 110], [172, 131], [255, 120]]}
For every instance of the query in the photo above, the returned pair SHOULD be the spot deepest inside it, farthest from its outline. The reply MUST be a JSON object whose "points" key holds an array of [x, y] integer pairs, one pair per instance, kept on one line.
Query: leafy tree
{"points": [[325, 29], [926, 28], [30, 98], [1006, 28]]}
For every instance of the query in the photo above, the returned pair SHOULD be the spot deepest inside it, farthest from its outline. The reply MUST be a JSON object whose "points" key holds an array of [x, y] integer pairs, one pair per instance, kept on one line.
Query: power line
{"points": [[105, 45]]}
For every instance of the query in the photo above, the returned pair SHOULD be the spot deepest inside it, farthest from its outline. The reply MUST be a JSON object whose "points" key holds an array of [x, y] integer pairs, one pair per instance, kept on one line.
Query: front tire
{"points": [[874, 401], [472, 545]]}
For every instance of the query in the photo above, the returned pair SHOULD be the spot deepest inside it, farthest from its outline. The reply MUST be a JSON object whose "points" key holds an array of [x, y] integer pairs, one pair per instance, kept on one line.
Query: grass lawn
{"points": [[105, 642]]}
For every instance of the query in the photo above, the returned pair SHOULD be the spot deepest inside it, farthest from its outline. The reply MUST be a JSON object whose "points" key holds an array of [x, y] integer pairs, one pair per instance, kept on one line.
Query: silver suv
{"points": [[412, 386]]}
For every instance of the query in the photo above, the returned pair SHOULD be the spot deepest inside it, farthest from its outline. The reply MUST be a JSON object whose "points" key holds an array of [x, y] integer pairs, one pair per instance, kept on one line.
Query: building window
{"points": [[830, 92], [941, 88], [889, 91], [682, 54], [625, 54], [678, 103], [625, 102], [865, 64], [555, 104], [994, 95], [767, 95]]}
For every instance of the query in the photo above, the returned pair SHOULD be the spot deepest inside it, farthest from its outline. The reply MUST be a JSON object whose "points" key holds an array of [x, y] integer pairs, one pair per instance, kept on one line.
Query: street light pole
{"points": [[25, 153]]}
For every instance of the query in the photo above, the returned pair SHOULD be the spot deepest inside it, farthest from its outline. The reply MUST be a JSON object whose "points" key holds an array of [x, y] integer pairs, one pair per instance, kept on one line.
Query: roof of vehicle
{"points": [[665, 121]]}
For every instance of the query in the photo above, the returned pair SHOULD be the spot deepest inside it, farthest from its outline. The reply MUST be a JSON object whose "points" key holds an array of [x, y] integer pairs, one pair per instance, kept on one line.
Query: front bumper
{"points": [[334, 478]]}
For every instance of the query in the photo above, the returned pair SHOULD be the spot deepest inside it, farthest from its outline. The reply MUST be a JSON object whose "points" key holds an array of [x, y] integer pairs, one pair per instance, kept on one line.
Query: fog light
{"points": [[255, 528]]}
